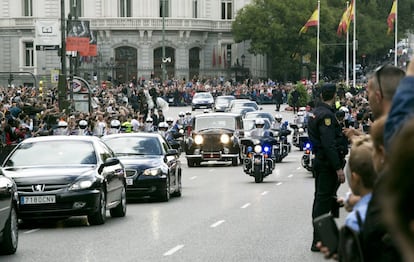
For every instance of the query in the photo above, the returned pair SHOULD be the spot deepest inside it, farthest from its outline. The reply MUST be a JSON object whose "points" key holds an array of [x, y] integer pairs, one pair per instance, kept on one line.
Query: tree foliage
{"points": [[272, 28]]}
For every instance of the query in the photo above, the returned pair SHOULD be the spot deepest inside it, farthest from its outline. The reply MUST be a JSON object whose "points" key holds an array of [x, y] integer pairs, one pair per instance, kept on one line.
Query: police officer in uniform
{"points": [[326, 136]]}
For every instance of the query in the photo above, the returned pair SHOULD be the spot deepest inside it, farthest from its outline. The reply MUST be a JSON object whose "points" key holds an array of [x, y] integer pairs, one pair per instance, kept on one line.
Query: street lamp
{"points": [[163, 40]]}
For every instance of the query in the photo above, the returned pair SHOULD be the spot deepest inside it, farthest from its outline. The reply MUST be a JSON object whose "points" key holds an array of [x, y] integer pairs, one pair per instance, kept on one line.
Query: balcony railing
{"points": [[131, 23]]}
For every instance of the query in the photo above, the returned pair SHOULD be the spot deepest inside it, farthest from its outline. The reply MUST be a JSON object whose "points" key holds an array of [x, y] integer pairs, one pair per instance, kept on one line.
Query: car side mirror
{"points": [[172, 152], [109, 162]]}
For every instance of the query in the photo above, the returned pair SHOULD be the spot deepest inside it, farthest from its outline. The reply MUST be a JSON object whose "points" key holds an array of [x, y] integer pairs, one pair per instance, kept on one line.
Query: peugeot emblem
{"points": [[38, 188]]}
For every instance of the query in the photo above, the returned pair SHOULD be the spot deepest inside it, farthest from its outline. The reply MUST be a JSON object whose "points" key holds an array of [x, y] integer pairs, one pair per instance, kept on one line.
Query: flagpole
{"points": [[354, 48], [396, 33], [347, 51], [317, 43]]}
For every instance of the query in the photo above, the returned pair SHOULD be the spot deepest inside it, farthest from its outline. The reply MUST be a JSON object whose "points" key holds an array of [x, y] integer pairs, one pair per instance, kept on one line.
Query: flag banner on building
{"points": [[219, 56], [78, 36], [224, 58], [93, 47], [391, 17], [47, 34], [313, 21], [345, 22]]}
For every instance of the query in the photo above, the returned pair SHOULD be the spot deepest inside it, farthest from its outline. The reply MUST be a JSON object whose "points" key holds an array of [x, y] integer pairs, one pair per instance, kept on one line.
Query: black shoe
{"points": [[314, 248]]}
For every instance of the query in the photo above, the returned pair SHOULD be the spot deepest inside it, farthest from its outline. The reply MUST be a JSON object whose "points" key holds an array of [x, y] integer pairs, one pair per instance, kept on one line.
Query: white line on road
{"points": [[278, 184], [218, 223], [211, 170], [245, 205], [32, 231], [290, 175], [264, 193], [298, 168], [193, 177], [173, 250]]}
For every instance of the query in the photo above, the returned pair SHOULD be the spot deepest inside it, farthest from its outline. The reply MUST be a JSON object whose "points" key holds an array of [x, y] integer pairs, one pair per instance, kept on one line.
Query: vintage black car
{"points": [[152, 166], [62, 176], [215, 136], [9, 233]]}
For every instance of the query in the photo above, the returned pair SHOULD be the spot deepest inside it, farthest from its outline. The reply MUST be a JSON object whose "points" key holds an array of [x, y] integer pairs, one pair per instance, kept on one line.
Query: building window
{"points": [[195, 7], [28, 54], [226, 9], [28, 7], [166, 4], [125, 8], [76, 8]]}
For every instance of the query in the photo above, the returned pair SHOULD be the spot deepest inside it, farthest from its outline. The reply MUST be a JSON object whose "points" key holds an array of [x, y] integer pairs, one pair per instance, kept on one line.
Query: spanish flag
{"points": [[345, 22], [391, 16], [313, 21]]}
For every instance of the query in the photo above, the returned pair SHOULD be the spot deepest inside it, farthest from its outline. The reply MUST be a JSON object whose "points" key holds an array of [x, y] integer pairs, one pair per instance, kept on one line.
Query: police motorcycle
{"points": [[175, 135], [300, 135], [282, 148], [308, 157], [258, 160]]}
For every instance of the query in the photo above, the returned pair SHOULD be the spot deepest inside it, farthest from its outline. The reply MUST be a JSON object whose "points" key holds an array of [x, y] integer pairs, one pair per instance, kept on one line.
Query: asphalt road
{"points": [[222, 216]]}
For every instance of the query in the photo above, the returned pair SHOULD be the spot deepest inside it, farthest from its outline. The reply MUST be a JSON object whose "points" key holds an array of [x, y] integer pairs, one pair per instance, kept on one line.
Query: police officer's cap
{"points": [[328, 91]]}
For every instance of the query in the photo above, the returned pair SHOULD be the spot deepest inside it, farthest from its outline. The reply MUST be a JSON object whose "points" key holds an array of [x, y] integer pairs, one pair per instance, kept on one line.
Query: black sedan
{"points": [[9, 234], [62, 176], [215, 136], [152, 166]]}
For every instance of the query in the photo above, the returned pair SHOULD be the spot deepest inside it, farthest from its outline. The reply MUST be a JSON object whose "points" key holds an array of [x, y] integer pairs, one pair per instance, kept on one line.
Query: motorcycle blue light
{"points": [[307, 145], [249, 149], [266, 149]]}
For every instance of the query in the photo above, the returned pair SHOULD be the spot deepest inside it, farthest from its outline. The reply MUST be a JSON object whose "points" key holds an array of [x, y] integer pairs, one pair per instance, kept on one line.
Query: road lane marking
{"points": [[173, 250], [211, 170], [264, 193], [193, 177], [32, 231], [217, 223], [278, 184], [245, 205], [290, 175]]}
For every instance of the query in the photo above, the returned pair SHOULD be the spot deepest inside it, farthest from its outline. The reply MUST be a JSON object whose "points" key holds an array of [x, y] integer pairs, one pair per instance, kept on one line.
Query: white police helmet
{"points": [[259, 122], [162, 125], [278, 117], [169, 119], [63, 124], [181, 114], [83, 124], [149, 120], [115, 123], [188, 113]]}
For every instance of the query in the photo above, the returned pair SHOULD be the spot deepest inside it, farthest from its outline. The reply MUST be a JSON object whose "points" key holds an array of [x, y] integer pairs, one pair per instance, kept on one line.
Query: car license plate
{"points": [[34, 200], [129, 181], [203, 106]]}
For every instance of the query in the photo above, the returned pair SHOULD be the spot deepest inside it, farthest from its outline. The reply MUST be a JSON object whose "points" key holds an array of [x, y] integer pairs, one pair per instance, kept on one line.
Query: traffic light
{"points": [[41, 88]]}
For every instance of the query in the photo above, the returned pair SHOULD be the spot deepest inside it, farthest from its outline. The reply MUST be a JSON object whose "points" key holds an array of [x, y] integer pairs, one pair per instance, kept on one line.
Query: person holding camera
{"points": [[326, 136]]}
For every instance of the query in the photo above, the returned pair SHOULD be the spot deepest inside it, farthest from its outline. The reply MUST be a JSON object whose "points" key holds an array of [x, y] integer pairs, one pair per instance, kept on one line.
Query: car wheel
{"points": [[190, 163], [120, 209], [10, 234], [165, 195], [98, 218], [177, 193], [235, 161]]}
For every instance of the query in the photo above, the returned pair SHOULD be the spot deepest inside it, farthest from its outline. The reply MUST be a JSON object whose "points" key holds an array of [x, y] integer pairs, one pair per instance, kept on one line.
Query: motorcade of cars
{"points": [[152, 166], [9, 232], [202, 100], [222, 103], [62, 176], [215, 136], [242, 103]]}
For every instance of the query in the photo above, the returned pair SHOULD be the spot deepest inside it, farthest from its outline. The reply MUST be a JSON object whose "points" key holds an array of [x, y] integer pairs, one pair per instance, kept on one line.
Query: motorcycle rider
{"points": [[278, 121], [149, 127], [115, 127], [181, 119], [259, 130], [82, 129], [62, 129]]}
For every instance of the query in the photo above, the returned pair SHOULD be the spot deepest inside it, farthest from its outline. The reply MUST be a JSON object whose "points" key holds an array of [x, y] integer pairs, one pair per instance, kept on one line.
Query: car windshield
{"points": [[202, 95], [246, 104], [60, 152], [134, 145], [259, 115], [223, 100], [215, 122]]}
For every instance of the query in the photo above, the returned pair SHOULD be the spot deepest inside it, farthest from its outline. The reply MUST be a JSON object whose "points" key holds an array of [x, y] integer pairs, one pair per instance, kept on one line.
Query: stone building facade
{"points": [[131, 34]]}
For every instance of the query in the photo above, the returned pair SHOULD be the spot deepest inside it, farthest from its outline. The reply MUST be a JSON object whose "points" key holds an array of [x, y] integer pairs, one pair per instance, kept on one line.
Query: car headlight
{"points": [[225, 138], [258, 148], [81, 184], [198, 139], [301, 130], [152, 172]]}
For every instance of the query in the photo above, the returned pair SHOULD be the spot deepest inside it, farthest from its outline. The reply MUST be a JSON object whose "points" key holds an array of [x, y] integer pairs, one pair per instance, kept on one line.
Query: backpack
{"points": [[350, 244]]}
